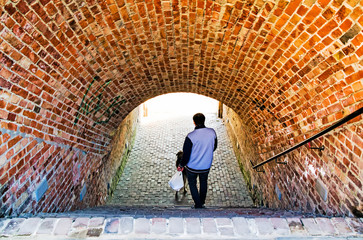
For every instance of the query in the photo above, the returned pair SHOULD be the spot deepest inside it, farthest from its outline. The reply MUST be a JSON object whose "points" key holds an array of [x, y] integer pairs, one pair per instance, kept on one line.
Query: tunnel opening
{"points": [[163, 123]]}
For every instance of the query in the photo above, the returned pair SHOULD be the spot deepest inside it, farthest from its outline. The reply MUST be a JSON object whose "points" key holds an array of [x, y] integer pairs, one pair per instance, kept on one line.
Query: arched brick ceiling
{"points": [[286, 61]]}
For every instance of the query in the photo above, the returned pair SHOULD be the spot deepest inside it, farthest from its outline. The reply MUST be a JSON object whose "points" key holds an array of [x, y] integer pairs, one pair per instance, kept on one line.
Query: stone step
{"points": [[127, 227], [178, 211]]}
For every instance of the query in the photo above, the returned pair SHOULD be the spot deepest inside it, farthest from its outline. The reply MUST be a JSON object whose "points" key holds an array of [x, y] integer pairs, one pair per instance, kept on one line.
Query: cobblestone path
{"points": [[152, 163]]}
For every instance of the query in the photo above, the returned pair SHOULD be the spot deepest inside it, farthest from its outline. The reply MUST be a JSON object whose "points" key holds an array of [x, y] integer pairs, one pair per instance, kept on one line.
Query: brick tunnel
{"points": [[73, 71]]}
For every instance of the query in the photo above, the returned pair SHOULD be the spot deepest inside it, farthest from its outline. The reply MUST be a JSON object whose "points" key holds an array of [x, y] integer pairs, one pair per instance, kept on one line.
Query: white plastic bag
{"points": [[176, 182]]}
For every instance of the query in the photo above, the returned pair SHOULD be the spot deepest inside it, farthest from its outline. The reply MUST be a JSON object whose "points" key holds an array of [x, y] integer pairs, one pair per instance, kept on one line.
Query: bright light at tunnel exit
{"points": [[178, 104]]}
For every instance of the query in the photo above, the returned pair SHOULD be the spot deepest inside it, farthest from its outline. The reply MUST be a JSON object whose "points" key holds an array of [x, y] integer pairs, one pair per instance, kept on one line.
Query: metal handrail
{"points": [[328, 129]]}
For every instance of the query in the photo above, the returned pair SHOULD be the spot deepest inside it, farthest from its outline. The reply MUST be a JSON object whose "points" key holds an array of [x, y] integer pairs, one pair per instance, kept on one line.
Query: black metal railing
{"points": [[328, 129]]}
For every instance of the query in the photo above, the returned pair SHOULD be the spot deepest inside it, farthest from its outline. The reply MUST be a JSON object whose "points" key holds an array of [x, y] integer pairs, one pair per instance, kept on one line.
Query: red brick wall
{"points": [[71, 71], [337, 168], [26, 161]]}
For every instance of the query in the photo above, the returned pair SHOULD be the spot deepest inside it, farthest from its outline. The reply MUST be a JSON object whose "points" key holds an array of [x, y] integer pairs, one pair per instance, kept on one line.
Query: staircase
{"points": [[122, 222]]}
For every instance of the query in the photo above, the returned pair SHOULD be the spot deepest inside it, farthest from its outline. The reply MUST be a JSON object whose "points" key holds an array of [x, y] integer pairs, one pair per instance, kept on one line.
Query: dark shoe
{"points": [[198, 207]]}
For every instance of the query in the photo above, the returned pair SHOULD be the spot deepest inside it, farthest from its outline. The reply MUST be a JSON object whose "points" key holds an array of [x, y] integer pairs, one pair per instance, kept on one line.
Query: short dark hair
{"points": [[199, 119]]}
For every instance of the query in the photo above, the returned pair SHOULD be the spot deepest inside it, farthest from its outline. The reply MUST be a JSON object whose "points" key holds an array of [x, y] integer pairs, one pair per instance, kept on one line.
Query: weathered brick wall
{"points": [[71, 71], [122, 143], [39, 175], [26, 162], [309, 174]]}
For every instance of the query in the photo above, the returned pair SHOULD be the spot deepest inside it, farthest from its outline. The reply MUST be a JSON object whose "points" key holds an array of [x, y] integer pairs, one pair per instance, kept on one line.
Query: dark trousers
{"points": [[198, 197]]}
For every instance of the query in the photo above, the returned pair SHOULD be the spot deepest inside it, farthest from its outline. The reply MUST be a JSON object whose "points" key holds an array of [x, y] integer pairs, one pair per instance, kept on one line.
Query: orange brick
{"points": [[302, 10], [346, 25], [350, 60], [357, 12], [292, 7], [328, 27], [5, 73], [328, 13], [323, 3], [342, 13], [358, 96], [313, 13], [359, 52], [348, 102], [336, 33]]}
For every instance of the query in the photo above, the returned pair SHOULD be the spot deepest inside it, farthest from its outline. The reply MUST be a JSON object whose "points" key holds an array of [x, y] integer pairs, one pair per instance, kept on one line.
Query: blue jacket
{"points": [[198, 149]]}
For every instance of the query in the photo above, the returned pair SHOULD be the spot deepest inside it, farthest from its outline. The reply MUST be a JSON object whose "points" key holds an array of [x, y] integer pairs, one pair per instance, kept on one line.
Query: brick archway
{"points": [[287, 68]]}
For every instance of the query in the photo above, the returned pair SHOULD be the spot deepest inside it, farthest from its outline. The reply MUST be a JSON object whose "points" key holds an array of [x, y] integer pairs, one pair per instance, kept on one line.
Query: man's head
{"points": [[199, 119]]}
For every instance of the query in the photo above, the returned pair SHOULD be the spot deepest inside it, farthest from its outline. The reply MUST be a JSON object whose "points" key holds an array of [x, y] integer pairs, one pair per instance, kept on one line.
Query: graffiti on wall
{"points": [[96, 107]]}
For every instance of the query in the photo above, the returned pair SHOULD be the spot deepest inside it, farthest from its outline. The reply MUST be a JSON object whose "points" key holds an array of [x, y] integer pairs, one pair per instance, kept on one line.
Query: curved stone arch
{"points": [[288, 68]]}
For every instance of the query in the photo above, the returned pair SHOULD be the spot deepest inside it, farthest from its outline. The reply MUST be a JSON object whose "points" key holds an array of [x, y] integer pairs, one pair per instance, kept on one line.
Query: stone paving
{"points": [[129, 227], [151, 164]]}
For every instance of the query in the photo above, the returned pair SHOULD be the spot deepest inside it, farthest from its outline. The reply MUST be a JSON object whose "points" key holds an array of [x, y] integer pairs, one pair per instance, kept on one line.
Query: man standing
{"points": [[198, 149]]}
